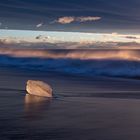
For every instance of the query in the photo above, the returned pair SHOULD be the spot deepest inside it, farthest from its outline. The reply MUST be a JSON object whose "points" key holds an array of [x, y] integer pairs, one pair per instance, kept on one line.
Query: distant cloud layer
{"points": [[69, 40], [70, 19]]}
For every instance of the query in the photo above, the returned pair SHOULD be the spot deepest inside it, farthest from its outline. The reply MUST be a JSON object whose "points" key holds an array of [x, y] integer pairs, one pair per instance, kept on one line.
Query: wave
{"points": [[73, 54], [124, 63]]}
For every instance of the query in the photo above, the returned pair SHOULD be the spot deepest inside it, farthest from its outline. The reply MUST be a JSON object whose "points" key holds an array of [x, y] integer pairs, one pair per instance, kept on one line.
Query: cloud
{"points": [[70, 19], [114, 33], [42, 38], [8, 41], [46, 43], [65, 20], [131, 37], [130, 44], [39, 25], [84, 19]]}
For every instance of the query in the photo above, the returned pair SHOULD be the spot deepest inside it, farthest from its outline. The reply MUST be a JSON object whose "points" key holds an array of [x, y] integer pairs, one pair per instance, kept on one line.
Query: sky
{"points": [[95, 16], [71, 23]]}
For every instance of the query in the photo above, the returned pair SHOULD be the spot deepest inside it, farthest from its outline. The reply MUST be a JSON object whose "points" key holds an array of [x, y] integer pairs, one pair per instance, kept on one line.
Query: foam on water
{"points": [[125, 63]]}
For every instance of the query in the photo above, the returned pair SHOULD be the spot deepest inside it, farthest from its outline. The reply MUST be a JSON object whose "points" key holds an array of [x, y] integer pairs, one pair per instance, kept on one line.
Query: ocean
{"points": [[116, 63], [96, 94]]}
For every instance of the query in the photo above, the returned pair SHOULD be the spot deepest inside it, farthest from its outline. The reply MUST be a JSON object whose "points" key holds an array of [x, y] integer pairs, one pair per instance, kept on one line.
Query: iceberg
{"points": [[39, 88]]}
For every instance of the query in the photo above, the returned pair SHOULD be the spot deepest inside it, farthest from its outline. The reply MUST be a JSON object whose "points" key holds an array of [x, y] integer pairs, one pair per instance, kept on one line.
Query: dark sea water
{"points": [[96, 96], [82, 108]]}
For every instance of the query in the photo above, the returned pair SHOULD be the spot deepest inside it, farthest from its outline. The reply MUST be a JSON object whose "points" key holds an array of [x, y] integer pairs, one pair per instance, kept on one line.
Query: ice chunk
{"points": [[38, 88]]}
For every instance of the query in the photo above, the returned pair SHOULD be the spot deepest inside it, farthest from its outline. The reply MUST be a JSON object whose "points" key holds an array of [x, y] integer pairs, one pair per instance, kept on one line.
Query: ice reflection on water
{"points": [[35, 105]]}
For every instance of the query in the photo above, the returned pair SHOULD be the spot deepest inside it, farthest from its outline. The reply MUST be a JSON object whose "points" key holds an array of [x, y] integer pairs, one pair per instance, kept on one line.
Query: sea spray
{"points": [[124, 63]]}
